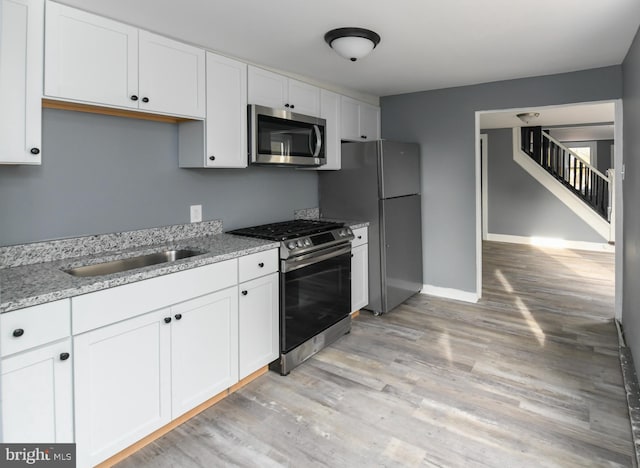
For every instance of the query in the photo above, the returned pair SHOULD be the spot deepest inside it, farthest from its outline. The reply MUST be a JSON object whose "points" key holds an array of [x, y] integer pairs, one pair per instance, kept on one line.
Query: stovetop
{"points": [[288, 229]]}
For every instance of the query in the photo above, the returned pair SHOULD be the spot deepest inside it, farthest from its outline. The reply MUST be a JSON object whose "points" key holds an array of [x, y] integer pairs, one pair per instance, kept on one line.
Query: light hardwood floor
{"points": [[527, 377]]}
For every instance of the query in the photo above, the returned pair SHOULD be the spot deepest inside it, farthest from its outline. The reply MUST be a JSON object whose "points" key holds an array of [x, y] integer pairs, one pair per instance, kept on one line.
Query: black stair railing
{"points": [[584, 180]]}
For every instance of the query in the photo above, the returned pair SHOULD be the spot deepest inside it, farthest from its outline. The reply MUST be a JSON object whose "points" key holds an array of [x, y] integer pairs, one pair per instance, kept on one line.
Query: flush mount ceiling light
{"points": [[352, 43], [526, 117]]}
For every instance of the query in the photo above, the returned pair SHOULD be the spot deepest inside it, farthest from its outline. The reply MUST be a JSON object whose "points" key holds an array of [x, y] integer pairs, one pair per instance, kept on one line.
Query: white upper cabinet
{"points": [[172, 76], [220, 141], [360, 121], [89, 58], [226, 129], [273, 90], [330, 111], [21, 26], [95, 60]]}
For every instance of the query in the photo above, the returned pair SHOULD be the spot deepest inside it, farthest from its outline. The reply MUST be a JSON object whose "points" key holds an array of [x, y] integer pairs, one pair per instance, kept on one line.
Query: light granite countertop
{"points": [[37, 283], [33, 274]]}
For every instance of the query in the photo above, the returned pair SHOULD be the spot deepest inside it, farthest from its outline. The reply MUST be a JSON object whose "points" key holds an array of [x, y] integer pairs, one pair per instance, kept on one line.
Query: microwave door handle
{"points": [[318, 141]]}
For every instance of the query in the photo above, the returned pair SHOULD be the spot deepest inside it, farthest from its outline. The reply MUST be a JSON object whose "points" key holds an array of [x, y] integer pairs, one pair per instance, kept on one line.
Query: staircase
{"points": [[587, 191]]}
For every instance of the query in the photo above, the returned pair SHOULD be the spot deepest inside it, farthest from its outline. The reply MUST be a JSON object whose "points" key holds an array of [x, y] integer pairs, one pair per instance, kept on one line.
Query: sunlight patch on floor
{"points": [[524, 310]]}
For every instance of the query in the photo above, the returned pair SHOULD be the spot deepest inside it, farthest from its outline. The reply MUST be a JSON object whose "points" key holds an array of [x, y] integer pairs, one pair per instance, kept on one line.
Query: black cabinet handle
{"points": [[64, 356], [167, 320], [351, 255], [18, 332], [145, 99], [287, 105], [134, 97], [35, 151], [245, 292], [359, 237], [292, 106], [364, 137], [261, 265], [178, 316], [212, 158]]}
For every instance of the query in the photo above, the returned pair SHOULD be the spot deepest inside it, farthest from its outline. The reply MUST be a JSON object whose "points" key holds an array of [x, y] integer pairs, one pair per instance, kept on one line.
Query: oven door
{"points": [[315, 294], [284, 138]]}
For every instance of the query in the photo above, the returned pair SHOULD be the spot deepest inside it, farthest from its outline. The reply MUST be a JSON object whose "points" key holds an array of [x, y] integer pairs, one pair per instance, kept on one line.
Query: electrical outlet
{"points": [[196, 213]]}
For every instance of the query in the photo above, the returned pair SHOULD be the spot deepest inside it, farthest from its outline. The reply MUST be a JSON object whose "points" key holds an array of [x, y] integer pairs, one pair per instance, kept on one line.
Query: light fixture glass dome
{"points": [[352, 43], [352, 48]]}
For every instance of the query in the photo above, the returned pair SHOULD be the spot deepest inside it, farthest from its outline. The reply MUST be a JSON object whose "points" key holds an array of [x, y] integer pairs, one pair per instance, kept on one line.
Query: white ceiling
{"points": [[551, 116], [426, 44]]}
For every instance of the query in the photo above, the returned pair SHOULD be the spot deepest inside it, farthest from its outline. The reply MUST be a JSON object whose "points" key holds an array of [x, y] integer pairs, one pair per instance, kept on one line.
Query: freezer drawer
{"points": [[402, 249]]}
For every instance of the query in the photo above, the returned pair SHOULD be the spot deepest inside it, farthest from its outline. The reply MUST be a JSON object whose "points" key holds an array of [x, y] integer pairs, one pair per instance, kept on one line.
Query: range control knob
{"points": [[300, 243], [307, 242], [291, 245], [342, 233]]}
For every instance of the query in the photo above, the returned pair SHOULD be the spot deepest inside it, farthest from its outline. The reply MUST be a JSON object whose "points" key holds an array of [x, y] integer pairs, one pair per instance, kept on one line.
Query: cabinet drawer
{"points": [[34, 326], [361, 237], [258, 264], [112, 305]]}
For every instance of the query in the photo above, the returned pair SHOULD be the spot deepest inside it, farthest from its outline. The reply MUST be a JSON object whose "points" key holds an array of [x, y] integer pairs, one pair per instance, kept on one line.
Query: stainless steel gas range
{"points": [[315, 285]]}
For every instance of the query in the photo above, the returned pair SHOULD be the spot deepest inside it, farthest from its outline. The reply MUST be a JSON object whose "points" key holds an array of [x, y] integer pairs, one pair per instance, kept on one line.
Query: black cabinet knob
{"points": [[287, 105], [134, 97], [245, 292], [364, 137], [178, 316], [18, 332], [64, 356], [261, 265], [292, 106], [145, 99], [167, 320], [351, 255], [359, 237], [212, 158], [35, 151]]}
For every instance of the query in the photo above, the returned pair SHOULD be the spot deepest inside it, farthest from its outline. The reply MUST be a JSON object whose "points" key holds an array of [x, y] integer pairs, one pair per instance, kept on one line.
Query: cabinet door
{"points": [[266, 88], [226, 125], [21, 43], [37, 395], [369, 122], [303, 98], [122, 385], [350, 119], [359, 277], [259, 323], [204, 348], [89, 58], [330, 111], [172, 76]]}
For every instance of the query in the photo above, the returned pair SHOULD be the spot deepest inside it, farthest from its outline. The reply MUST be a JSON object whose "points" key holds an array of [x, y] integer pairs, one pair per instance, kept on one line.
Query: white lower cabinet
{"points": [[259, 323], [135, 376], [37, 395], [122, 385], [204, 349], [359, 269]]}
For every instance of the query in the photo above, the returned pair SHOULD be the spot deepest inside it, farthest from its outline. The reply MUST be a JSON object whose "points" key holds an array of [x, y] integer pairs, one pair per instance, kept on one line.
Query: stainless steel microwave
{"points": [[282, 138]]}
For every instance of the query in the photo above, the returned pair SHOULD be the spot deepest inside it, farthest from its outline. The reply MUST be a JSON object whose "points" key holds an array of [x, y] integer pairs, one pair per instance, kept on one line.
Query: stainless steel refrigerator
{"points": [[379, 182]]}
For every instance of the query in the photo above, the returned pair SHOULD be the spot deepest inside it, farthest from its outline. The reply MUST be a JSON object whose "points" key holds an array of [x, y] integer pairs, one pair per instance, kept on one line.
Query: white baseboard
{"points": [[553, 243], [449, 293]]}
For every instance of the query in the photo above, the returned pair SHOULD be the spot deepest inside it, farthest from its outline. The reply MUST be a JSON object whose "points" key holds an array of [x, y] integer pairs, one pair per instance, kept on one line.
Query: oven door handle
{"points": [[295, 263]]}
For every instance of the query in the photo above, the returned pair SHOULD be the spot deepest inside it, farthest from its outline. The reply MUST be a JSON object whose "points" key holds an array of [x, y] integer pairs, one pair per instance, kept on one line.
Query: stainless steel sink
{"points": [[117, 266]]}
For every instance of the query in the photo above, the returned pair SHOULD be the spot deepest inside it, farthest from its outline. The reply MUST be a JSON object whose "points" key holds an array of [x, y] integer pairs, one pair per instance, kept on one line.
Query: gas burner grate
{"points": [[287, 229]]}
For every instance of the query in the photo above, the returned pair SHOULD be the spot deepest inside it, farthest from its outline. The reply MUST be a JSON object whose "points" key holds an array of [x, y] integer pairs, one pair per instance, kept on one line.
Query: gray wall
{"points": [[443, 123], [631, 194], [105, 174], [604, 161], [519, 205]]}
